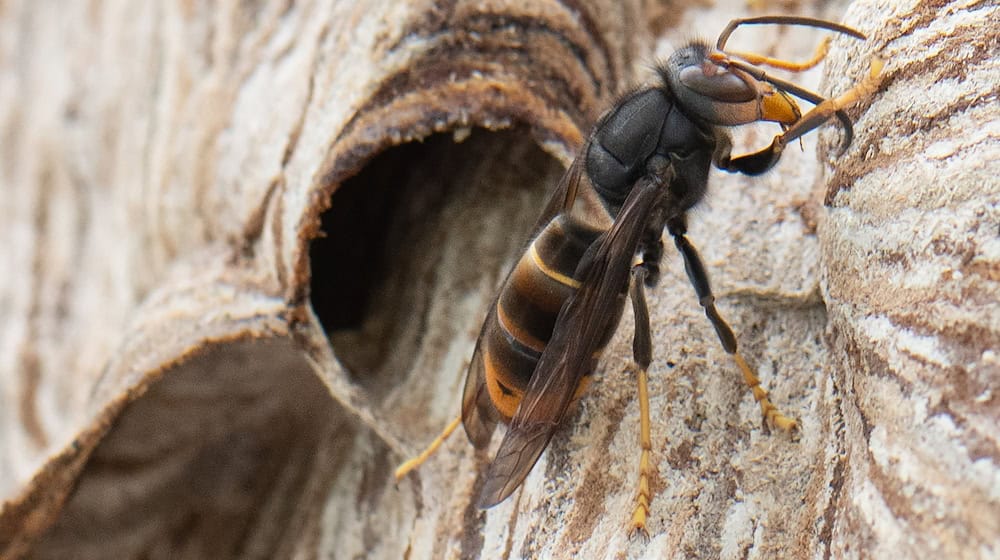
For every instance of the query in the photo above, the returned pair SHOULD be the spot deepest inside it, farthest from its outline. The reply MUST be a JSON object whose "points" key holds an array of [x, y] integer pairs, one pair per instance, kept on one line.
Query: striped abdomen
{"points": [[527, 308]]}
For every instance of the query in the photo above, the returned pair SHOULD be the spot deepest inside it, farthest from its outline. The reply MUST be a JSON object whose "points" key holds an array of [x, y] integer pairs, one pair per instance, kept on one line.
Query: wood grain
{"points": [[245, 250]]}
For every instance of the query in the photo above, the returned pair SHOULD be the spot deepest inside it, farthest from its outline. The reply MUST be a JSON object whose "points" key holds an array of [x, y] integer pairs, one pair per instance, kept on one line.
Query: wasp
{"points": [[599, 242]]}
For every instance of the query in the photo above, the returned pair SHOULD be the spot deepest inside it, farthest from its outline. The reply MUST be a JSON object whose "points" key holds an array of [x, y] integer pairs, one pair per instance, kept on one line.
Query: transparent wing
{"points": [[479, 416], [582, 322]]}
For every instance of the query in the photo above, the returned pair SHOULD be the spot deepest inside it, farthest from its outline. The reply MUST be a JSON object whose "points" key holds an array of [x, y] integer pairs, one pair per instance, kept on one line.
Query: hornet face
{"points": [[724, 96]]}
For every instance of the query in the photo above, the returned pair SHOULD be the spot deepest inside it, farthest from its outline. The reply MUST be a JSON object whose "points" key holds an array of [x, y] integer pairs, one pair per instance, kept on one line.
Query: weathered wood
{"points": [[167, 387], [911, 248]]}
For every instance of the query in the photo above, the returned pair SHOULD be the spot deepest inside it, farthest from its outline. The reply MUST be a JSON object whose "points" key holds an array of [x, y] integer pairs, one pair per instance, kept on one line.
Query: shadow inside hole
{"points": [[219, 458], [415, 242]]}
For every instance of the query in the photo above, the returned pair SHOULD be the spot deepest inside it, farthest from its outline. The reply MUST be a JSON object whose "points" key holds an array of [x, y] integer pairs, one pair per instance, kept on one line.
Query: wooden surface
{"points": [[191, 193]]}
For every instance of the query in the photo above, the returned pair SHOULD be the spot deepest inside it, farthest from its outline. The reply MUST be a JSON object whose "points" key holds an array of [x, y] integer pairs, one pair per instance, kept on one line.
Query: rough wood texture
{"points": [[911, 251], [167, 388]]}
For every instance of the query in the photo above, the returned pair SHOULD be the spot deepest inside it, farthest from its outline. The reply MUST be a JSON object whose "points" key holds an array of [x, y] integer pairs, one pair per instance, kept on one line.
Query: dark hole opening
{"points": [[346, 260], [421, 227]]}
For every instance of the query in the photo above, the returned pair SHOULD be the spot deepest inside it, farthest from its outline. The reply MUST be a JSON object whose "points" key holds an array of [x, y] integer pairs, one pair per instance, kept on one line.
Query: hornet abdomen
{"points": [[527, 307]]}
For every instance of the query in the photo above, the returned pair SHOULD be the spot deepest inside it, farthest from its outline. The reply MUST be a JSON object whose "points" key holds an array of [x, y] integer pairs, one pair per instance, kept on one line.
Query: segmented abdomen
{"points": [[527, 308]]}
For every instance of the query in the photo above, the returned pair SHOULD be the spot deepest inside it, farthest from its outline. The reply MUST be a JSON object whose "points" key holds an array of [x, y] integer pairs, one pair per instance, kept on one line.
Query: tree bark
{"points": [[246, 250]]}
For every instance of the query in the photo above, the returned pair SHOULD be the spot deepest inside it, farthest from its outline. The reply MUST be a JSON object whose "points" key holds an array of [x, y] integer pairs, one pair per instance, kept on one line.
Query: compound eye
{"points": [[716, 83]]}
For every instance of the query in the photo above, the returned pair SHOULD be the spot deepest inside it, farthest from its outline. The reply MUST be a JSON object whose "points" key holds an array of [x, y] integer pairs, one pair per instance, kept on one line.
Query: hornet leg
{"points": [[405, 468], [699, 279], [755, 163], [760, 60], [642, 353]]}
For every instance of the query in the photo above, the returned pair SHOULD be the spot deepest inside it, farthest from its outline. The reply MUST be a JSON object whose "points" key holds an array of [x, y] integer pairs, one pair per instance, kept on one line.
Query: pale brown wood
{"points": [[167, 388], [912, 286]]}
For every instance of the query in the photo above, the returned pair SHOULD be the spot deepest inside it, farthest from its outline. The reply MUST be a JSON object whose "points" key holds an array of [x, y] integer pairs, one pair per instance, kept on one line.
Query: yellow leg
{"points": [[772, 416], [753, 58], [828, 107], [405, 468], [865, 88], [642, 497]]}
